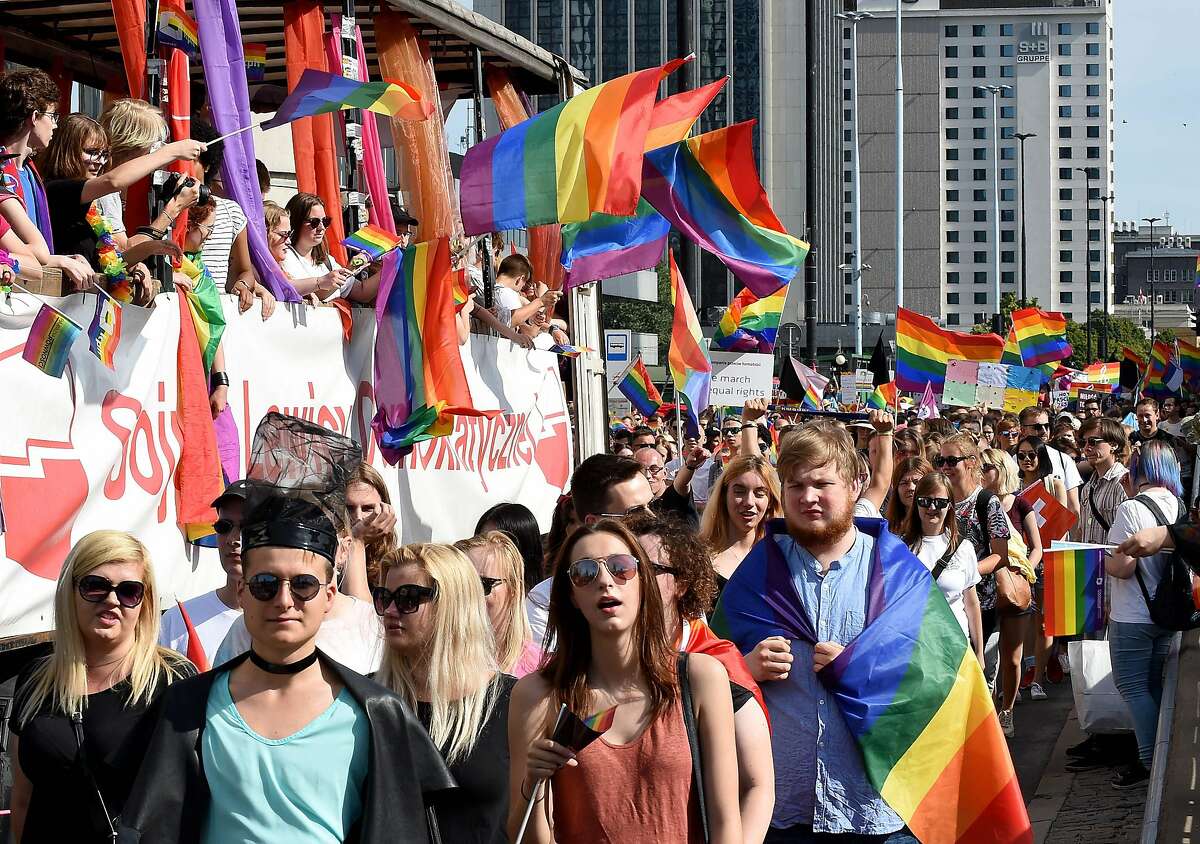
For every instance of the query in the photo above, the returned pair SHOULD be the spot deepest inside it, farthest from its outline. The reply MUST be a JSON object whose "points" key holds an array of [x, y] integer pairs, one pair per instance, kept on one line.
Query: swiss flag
{"points": [[1053, 519]]}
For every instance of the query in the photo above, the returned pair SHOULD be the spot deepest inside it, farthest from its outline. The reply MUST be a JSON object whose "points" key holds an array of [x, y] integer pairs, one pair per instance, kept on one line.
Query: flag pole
{"points": [[47, 304], [533, 795], [234, 132]]}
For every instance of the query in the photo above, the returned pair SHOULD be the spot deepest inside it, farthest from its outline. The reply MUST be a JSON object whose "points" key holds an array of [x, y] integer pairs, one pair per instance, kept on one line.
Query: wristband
{"points": [[749, 425], [150, 231], [218, 379]]}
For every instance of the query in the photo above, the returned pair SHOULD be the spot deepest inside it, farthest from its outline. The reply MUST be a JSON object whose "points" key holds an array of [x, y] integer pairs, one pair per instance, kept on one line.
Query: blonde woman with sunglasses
{"points": [[501, 574]]}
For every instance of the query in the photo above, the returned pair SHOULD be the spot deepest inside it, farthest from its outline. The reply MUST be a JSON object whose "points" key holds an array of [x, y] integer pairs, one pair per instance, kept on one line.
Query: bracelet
{"points": [[749, 425], [529, 796], [150, 231], [884, 433], [218, 379]]}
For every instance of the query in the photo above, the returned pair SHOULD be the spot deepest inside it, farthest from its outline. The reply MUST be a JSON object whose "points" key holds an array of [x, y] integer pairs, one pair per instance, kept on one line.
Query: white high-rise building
{"points": [[1056, 59]]}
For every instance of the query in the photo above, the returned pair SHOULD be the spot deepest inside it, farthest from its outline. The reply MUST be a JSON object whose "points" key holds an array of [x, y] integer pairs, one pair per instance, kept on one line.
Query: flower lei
{"points": [[111, 262]]}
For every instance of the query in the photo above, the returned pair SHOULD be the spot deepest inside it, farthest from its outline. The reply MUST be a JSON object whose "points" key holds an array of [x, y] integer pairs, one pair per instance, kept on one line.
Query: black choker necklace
{"points": [[286, 667]]}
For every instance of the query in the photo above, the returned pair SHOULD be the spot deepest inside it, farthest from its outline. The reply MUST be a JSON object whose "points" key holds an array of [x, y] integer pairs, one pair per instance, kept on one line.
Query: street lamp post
{"points": [[1104, 277], [1087, 314], [1151, 221], [1022, 137], [856, 211], [996, 91]]}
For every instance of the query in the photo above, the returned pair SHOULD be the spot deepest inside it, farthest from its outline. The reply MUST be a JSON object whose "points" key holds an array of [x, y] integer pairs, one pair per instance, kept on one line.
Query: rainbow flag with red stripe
{"points": [[751, 323], [923, 350], [673, 118], [420, 383], [884, 396], [636, 386], [691, 368], [105, 330], [1189, 360], [177, 29], [1041, 336], [909, 687], [48, 346], [256, 61], [373, 241], [1164, 376], [561, 166], [319, 92], [1074, 591]]}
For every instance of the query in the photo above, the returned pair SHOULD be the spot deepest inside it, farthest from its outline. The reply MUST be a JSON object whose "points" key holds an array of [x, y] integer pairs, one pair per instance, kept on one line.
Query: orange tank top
{"points": [[641, 791]]}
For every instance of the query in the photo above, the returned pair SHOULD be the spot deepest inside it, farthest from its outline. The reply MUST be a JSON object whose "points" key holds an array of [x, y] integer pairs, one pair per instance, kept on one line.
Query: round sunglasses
{"points": [[407, 598], [313, 222], [622, 567], [95, 589], [264, 586]]}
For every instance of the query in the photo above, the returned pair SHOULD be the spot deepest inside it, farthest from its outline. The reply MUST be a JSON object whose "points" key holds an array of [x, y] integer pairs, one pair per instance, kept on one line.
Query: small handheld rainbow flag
{"points": [[50, 338], [636, 386], [569, 351], [1164, 375], [105, 330], [883, 397], [373, 241], [177, 29], [1074, 591], [256, 61], [318, 92], [577, 733]]}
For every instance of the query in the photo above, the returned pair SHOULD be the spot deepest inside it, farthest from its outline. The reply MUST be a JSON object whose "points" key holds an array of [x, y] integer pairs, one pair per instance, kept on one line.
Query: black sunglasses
{"points": [[490, 583], [1094, 442], [948, 462], [94, 589], [661, 569], [223, 526], [407, 598], [313, 222], [622, 567], [1041, 426], [1027, 455], [930, 503], [265, 586]]}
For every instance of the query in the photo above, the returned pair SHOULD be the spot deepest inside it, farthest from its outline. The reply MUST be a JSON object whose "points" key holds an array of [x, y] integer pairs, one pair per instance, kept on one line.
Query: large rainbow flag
{"points": [[673, 118], [561, 166], [923, 349], [420, 383], [750, 324], [1074, 591], [1041, 336], [606, 246], [318, 92], [636, 386], [909, 687], [204, 304], [691, 369], [708, 188]]}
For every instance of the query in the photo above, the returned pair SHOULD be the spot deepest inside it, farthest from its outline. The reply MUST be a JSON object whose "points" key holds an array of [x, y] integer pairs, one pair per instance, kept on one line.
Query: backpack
{"points": [[1172, 606]]}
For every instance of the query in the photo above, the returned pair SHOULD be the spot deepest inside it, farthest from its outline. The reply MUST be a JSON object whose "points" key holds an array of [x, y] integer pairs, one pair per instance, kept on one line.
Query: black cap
{"points": [[237, 490], [401, 216]]}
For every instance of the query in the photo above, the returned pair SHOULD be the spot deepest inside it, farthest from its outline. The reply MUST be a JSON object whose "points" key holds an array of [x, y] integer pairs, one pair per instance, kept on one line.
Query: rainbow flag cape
{"points": [[909, 687], [420, 383], [256, 61], [883, 397], [50, 337], [673, 118], [204, 303], [923, 349], [1041, 335], [606, 246], [636, 386], [373, 241], [318, 92], [177, 29], [104, 333], [691, 369], [686, 183], [1164, 375], [1189, 361], [750, 324], [1074, 591], [561, 166]]}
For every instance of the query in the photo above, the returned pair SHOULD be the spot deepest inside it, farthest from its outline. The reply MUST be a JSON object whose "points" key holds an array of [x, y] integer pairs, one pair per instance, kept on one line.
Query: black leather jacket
{"points": [[406, 776]]}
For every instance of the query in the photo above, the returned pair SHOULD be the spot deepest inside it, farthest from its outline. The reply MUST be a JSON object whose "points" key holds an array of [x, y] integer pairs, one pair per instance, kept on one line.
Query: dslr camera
{"points": [[175, 182]]}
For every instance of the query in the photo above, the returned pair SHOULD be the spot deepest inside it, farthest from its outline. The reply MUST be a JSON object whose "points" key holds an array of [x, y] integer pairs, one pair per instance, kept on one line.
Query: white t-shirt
{"points": [[505, 302], [704, 479], [959, 575], [866, 509], [1173, 428], [354, 638], [537, 608], [297, 266], [1126, 603], [211, 618], [1064, 469], [113, 210], [228, 222]]}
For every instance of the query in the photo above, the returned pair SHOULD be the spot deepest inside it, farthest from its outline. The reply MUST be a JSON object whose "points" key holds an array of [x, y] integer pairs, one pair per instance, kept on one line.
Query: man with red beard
{"points": [[821, 787]]}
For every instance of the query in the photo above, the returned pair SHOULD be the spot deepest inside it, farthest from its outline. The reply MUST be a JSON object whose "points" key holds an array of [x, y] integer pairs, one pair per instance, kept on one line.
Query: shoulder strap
{"points": [[1148, 502], [940, 565], [1104, 523], [77, 727], [693, 737], [982, 502]]}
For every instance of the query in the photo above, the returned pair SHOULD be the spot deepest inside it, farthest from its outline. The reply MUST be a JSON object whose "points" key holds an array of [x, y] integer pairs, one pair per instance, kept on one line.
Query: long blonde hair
{"points": [[714, 523], [61, 681], [461, 651], [511, 643]]}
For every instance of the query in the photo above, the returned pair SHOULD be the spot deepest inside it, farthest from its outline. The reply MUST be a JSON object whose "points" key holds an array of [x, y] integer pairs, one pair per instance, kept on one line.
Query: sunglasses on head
{"points": [[264, 586], [622, 567], [949, 462], [930, 503], [313, 222], [94, 589], [490, 583], [407, 598]]}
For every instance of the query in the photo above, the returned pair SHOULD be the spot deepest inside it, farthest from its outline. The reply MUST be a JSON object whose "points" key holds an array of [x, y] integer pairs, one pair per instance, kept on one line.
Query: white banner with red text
{"points": [[98, 448]]}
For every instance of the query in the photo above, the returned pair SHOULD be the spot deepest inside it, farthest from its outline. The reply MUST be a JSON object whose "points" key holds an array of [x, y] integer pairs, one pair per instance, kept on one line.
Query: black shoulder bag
{"points": [[77, 726], [693, 736], [1171, 606]]}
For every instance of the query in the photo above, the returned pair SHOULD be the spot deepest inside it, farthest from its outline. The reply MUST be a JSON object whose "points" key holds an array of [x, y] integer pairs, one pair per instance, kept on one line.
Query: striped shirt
{"points": [[228, 223], [1106, 494]]}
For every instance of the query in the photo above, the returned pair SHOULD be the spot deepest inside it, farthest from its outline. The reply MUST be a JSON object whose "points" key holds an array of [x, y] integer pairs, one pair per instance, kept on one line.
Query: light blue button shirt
{"points": [[819, 774]]}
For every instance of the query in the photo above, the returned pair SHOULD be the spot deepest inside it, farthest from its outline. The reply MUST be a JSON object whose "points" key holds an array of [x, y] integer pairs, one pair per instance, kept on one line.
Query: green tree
{"points": [[1121, 332], [1008, 304], [636, 315]]}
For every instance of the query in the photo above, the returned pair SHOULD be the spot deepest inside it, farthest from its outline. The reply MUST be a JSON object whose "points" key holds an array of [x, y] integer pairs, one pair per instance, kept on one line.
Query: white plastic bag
{"points": [[1098, 704]]}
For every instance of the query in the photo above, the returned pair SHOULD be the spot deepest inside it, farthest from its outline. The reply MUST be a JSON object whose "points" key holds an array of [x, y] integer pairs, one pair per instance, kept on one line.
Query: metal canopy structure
{"points": [[81, 37]]}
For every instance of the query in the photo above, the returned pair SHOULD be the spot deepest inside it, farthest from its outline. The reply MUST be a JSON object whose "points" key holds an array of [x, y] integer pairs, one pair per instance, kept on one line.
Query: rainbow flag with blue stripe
{"points": [[1074, 583], [50, 337], [639, 389], [750, 323]]}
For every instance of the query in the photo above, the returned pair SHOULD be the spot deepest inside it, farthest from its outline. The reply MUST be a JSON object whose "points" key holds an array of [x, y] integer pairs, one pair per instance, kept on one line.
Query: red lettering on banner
{"points": [[114, 484], [143, 433], [169, 456], [146, 453]]}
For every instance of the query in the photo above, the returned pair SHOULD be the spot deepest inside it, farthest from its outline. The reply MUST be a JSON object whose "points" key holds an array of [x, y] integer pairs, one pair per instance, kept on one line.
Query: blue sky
{"points": [[1156, 68]]}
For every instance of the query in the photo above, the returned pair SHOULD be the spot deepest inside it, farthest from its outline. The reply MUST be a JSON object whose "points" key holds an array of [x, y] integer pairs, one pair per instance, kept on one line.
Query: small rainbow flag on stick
{"points": [[50, 339], [883, 397], [177, 29], [1189, 359], [105, 330], [318, 92], [256, 61], [691, 368], [751, 323], [636, 386], [577, 733], [1074, 586], [373, 241]]}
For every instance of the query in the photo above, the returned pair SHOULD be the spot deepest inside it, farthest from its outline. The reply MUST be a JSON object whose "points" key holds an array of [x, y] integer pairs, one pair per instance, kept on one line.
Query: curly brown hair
{"points": [[23, 92], [688, 555]]}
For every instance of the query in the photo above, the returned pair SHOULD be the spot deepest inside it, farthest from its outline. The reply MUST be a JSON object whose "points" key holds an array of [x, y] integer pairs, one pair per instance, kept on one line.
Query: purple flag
{"points": [[229, 99]]}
